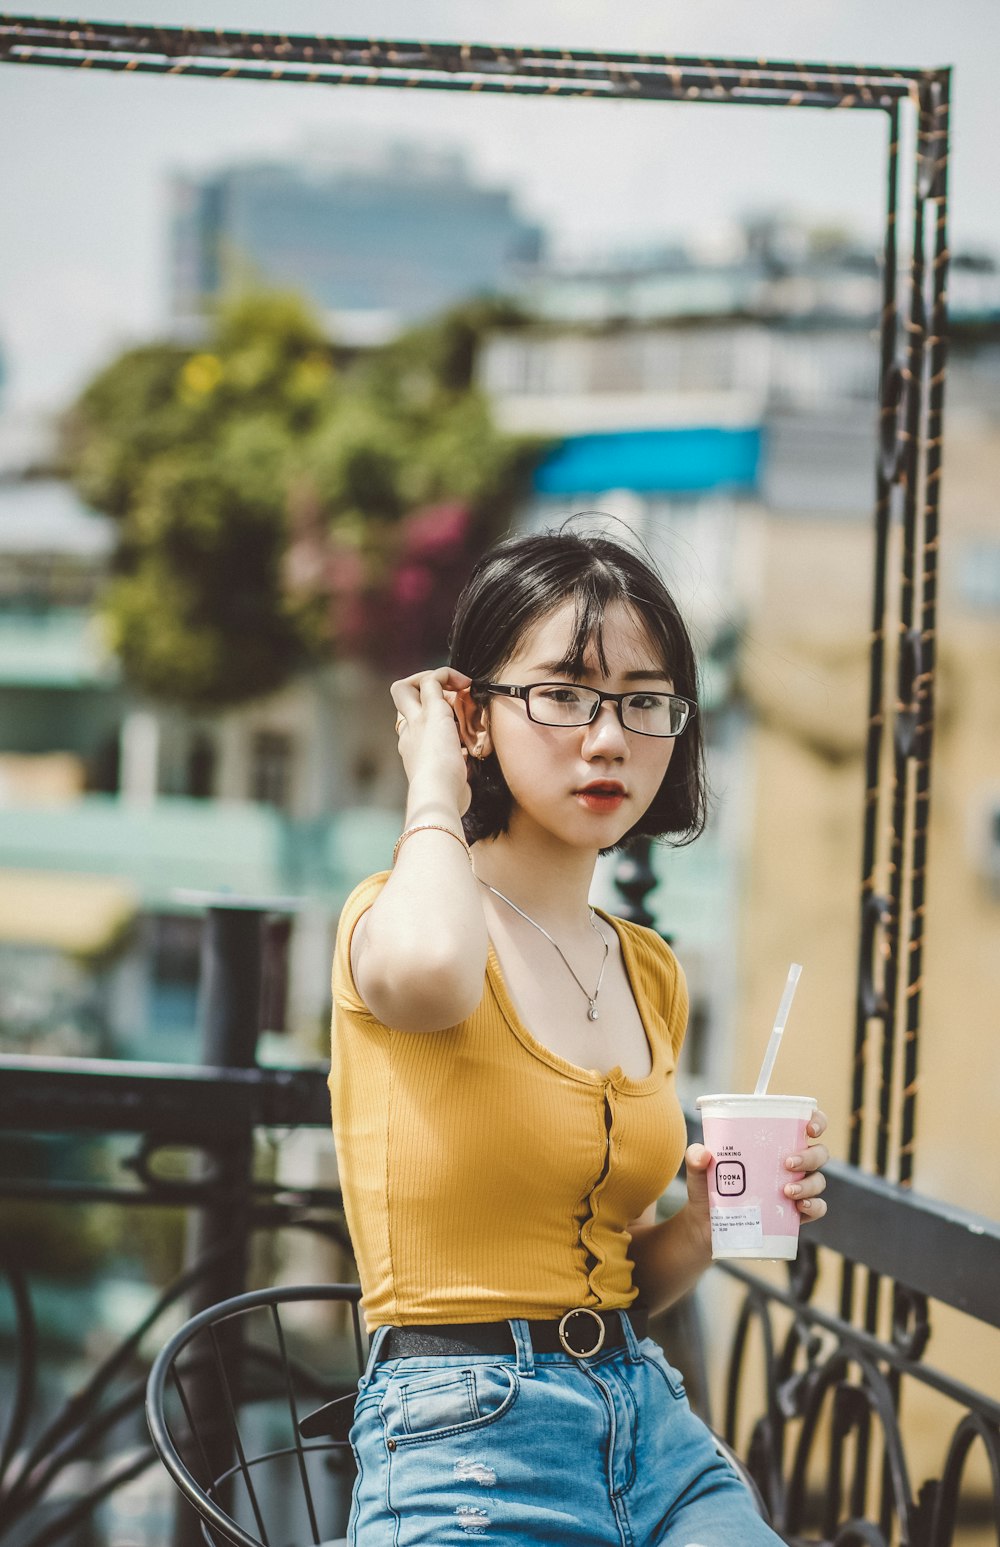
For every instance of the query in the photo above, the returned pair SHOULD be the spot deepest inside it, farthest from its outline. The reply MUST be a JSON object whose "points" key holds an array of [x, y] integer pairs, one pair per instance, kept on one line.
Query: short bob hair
{"points": [[515, 584]]}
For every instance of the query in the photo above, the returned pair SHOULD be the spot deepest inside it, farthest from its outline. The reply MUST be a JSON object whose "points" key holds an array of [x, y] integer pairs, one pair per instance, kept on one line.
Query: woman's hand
{"points": [[806, 1191], [430, 745]]}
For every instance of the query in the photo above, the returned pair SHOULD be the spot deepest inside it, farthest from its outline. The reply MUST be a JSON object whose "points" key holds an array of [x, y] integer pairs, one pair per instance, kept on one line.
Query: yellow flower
{"points": [[201, 375], [311, 375]]}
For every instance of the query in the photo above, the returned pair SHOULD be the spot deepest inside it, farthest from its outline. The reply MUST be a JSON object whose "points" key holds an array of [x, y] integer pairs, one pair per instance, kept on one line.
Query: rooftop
{"points": [[174, 844], [45, 516]]}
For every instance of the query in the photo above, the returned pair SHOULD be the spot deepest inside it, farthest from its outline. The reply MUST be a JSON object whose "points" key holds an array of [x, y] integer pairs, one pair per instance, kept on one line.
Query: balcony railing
{"points": [[829, 1392]]}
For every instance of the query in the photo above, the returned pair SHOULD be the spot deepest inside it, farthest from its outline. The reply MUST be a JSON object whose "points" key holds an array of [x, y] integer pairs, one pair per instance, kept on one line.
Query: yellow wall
{"points": [[805, 672]]}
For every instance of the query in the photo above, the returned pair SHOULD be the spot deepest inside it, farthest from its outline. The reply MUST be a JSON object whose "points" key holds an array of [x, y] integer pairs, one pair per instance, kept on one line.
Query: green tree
{"points": [[270, 504]]}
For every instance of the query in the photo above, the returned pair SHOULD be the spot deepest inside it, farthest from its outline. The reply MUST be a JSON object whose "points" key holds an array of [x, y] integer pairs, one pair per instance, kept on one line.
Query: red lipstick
{"points": [[602, 795]]}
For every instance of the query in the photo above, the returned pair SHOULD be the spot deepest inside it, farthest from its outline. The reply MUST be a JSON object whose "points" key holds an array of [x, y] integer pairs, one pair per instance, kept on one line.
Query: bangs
{"points": [[601, 590]]}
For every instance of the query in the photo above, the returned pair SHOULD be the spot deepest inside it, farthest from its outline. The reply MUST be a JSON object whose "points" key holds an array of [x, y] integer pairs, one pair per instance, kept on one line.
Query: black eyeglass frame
{"points": [[511, 690]]}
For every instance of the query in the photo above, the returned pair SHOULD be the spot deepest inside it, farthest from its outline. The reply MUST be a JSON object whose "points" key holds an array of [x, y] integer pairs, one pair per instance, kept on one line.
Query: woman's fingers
{"points": [[433, 692], [810, 1209], [806, 1196], [809, 1187], [429, 732], [426, 687], [442, 677], [806, 1190], [815, 1157]]}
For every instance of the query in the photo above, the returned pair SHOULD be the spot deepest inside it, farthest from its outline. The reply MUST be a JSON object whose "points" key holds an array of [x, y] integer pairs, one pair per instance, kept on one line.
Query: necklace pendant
{"points": [[592, 1012]]}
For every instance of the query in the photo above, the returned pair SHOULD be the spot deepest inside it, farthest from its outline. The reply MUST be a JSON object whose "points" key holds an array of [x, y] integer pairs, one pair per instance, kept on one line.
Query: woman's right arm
{"points": [[418, 955]]}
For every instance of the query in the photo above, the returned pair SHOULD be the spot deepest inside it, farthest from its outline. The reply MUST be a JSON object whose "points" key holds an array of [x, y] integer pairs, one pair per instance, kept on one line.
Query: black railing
{"points": [[825, 1382], [829, 1448], [205, 1111], [213, 1111]]}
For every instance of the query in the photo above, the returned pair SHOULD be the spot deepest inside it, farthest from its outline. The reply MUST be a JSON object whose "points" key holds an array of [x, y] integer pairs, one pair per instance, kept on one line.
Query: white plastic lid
{"points": [[746, 1101]]}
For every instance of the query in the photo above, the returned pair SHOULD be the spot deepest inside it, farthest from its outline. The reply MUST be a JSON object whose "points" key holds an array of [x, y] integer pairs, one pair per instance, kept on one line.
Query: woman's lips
{"points": [[600, 800]]}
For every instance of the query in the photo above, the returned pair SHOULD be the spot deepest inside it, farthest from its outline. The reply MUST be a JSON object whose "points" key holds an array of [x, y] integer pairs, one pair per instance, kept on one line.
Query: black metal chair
{"points": [[231, 1405]]}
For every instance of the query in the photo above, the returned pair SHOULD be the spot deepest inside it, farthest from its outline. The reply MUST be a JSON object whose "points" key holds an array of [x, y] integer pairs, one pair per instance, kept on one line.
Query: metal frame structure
{"points": [[882, 1326], [911, 396]]}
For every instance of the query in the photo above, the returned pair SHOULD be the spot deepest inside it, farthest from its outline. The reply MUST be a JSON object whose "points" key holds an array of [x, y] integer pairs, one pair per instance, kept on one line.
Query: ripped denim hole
{"points": [[473, 1520], [475, 1472]]}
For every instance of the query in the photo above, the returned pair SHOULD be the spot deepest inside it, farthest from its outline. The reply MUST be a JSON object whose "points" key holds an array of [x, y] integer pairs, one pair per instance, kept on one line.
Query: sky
{"points": [[84, 157]]}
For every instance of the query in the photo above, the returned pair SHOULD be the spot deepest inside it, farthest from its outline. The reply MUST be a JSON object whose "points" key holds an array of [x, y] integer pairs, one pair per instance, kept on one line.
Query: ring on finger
{"points": [[400, 722]]}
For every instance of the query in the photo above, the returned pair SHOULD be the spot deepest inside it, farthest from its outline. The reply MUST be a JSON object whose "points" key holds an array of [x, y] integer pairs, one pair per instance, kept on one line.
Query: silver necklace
{"points": [[590, 998]]}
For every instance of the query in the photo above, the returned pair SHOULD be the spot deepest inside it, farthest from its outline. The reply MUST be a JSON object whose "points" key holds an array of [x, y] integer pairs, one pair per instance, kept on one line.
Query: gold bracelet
{"points": [[437, 827]]}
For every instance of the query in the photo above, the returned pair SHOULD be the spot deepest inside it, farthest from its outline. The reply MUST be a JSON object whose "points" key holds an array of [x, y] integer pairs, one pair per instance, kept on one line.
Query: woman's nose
{"points": [[605, 730]]}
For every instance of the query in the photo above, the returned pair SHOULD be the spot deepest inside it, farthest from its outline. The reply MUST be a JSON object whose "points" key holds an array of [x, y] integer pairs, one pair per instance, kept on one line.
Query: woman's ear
{"points": [[473, 724]]}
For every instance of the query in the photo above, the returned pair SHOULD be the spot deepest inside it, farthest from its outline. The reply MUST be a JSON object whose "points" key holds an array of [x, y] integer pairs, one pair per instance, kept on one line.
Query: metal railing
{"points": [[822, 1366]]}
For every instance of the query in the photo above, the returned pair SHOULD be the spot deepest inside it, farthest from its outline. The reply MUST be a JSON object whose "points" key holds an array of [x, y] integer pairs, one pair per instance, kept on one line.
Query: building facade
{"points": [[774, 566], [374, 235], [112, 807]]}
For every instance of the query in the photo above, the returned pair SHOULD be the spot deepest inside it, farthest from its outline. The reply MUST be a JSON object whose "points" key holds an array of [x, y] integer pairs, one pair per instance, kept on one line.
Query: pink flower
{"points": [[437, 529]]}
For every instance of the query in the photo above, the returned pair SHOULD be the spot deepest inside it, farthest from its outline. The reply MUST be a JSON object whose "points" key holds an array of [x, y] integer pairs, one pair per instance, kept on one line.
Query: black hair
{"points": [[518, 581]]}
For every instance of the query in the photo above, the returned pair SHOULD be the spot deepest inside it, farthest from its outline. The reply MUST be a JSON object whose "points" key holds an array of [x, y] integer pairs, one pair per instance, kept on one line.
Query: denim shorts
{"points": [[524, 1448]]}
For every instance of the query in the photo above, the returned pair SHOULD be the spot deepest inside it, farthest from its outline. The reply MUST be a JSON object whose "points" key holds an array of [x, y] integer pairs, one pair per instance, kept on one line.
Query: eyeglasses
{"points": [[563, 703]]}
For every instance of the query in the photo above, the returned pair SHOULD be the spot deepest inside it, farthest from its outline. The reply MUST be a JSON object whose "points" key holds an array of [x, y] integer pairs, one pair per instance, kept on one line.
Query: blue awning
{"points": [[668, 461]]}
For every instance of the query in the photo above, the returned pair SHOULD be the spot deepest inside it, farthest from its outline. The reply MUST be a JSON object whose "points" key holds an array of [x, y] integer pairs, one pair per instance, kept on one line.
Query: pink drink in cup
{"points": [[750, 1138]]}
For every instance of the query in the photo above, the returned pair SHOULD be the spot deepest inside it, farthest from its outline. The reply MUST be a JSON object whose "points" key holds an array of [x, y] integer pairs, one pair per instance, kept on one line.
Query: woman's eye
{"points": [[562, 695], [647, 700]]}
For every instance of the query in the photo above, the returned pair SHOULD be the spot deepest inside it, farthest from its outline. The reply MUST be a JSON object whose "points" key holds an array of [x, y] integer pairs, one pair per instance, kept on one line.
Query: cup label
{"points": [[730, 1178], [739, 1226]]}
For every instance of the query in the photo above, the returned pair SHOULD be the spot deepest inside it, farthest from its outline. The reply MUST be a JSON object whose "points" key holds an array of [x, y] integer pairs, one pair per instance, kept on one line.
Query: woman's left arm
{"points": [[670, 1257]]}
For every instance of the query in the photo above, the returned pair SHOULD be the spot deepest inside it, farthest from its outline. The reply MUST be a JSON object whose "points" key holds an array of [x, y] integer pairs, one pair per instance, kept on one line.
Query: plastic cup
{"points": [[750, 1138]]}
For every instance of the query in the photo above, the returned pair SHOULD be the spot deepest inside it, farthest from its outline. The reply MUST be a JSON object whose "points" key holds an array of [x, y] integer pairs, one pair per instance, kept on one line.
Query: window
{"points": [[979, 575], [271, 769], [992, 866], [201, 767], [174, 971]]}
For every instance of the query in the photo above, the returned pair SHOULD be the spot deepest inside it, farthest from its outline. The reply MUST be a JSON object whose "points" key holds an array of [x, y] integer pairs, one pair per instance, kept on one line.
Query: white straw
{"points": [[766, 1068]]}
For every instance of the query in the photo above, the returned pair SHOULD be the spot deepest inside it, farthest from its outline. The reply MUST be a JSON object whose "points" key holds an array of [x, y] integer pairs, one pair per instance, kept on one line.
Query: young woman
{"points": [[503, 1084]]}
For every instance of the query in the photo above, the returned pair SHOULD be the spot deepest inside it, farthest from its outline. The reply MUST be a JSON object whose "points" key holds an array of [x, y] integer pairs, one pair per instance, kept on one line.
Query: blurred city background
{"points": [[275, 365]]}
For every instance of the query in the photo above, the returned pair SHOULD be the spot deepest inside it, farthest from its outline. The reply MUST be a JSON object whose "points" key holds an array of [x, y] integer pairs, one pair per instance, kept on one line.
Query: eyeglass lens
{"points": [[651, 714]]}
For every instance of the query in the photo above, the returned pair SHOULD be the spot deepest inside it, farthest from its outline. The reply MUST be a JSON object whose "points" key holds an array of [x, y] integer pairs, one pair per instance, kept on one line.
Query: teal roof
{"points": [[58, 648], [177, 844], [676, 460]]}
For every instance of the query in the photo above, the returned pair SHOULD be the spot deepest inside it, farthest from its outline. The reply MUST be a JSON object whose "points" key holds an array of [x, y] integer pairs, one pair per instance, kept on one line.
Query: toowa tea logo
{"points": [[730, 1178]]}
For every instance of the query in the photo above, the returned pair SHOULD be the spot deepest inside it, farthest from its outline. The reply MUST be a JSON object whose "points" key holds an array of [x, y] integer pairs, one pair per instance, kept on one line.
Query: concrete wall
{"points": [[804, 669]]}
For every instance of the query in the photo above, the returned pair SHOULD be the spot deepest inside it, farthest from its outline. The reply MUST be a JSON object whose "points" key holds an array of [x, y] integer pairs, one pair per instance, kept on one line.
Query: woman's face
{"points": [[547, 766]]}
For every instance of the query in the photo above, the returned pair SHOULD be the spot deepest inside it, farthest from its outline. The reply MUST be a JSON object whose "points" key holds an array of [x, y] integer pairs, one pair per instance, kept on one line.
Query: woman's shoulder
{"points": [[649, 947], [659, 976], [361, 898], [345, 993]]}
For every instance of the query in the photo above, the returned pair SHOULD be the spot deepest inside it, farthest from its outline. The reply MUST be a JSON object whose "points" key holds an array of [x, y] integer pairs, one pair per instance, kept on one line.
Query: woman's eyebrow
{"points": [[564, 668], [560, 669]]}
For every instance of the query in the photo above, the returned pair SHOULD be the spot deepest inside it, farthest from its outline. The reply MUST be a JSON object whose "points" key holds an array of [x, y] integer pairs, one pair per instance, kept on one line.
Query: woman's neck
{"points": [[548, 879]]}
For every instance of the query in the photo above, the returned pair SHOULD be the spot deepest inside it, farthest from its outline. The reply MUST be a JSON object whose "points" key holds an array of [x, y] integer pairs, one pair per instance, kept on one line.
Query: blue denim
{"points": [[526, 1448]]}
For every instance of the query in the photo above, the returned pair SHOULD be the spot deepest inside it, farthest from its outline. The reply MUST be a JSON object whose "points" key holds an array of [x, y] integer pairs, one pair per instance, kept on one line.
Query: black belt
{"points": [[580, 1332]]}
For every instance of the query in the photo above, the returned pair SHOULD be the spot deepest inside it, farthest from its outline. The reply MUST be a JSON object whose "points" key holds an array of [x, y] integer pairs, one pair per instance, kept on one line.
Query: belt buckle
{"points": [[582, 1353]]}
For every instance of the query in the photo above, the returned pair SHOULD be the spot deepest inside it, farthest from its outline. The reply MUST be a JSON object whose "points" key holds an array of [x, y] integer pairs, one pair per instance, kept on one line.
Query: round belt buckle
{"points": [[582, 1353]]}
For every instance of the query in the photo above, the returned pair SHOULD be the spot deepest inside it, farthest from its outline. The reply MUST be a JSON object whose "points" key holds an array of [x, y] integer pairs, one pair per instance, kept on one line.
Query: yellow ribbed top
{"points": [[484, 1176]]}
